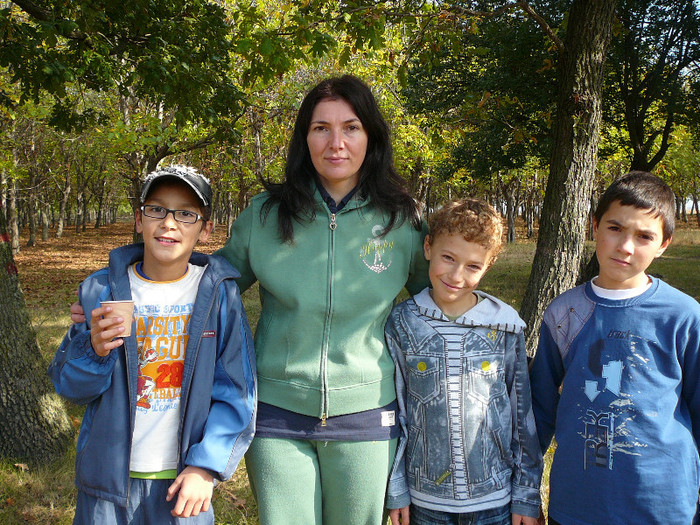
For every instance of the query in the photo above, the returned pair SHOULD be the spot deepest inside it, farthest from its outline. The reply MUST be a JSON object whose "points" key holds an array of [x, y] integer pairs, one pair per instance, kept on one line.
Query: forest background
{"points": [[535, 106]]}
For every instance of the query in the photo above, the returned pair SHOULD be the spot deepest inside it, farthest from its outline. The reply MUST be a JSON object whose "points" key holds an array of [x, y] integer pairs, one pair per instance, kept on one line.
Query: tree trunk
{"points": [[86, 211], [31, 210], [3, 189], [100, 203], [14, 219], [78, 209], [45, 209], [576, 133], [684, 211], [62, 207], [35, 425], [511, 203]]}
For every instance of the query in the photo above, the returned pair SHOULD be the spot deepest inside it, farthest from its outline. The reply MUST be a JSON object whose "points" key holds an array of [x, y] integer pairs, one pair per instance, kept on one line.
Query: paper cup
{"points": [[123, 309]]}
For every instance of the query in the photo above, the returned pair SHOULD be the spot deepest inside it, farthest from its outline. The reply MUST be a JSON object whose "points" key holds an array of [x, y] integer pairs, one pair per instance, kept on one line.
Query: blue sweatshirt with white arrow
{"points": [[627, 418]]}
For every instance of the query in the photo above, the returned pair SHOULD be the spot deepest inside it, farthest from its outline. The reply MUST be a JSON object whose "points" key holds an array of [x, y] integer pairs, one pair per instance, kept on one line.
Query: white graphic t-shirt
{"points": [[163, 311]]}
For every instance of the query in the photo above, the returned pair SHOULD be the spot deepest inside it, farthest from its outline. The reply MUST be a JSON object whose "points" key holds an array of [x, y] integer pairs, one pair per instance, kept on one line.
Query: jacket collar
{"points": [[356, 201], [488, 312], [120, 259]]}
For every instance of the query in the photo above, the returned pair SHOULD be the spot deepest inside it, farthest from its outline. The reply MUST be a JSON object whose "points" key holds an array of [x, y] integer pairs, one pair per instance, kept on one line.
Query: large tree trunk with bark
{"points": [[35, 425], [562, 231]]}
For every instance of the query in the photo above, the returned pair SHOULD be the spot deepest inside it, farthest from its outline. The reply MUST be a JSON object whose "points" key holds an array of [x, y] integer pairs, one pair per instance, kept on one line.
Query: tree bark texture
{"points": [[562, 231], [35, 426]]}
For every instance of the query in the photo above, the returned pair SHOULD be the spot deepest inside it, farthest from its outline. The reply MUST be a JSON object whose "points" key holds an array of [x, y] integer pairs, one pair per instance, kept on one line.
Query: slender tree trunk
{"points": [[45, 221], [100, 204], [62, 207], [684, 214], [576, 133], [78, 209], [511, 203], [530, 208], [32, 208], [3, 189], [35, 425], [86, 211], [14, 219]]}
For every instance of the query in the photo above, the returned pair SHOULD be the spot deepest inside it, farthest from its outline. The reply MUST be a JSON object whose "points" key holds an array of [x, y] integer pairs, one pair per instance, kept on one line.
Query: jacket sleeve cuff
{"points": [[398, 502], [525, 509], [100, 359]]}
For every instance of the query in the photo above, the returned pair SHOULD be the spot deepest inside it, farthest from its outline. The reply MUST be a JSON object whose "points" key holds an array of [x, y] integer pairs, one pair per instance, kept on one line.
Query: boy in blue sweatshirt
{"points": [[171, 407], [615, 379], [468, 451]]}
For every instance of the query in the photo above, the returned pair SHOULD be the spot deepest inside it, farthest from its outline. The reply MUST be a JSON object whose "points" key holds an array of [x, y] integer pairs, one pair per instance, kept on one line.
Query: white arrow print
{"points": [[592, 390]]}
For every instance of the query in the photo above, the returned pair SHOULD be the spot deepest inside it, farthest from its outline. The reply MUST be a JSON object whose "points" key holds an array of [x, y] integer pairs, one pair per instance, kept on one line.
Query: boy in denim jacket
{"points": [[468, 451]]}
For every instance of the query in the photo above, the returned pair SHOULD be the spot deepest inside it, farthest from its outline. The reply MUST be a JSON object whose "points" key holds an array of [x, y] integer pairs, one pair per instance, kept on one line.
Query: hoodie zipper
{"points": [[324, 353]]}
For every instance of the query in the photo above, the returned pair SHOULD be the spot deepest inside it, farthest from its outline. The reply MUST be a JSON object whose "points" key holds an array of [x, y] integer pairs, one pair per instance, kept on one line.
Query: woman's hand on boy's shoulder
{"points": [[194, 488], [77, 314]]}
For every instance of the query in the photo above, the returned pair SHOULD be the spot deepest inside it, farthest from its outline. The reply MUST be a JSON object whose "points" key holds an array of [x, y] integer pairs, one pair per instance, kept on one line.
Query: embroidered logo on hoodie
{"points": [[376, 253]]}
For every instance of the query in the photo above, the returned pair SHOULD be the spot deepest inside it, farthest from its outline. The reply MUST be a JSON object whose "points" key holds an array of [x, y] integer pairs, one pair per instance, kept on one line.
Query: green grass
{"points": [[46, 495]]}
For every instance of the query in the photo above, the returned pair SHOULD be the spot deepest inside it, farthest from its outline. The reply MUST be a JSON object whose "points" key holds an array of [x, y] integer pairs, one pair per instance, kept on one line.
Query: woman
{"points": [[331, 246]]}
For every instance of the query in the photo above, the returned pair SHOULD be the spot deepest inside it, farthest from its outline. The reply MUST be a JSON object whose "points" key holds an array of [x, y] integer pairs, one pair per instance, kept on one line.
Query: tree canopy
{"points": [[174, 54]]}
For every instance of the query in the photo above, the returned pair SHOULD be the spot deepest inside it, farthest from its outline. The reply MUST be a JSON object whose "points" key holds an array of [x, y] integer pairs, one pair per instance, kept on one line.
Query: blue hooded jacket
{"points": [[219, 389]]}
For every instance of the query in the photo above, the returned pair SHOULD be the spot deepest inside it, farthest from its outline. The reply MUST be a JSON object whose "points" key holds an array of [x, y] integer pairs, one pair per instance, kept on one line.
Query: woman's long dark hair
{"points": [[378, 180]]}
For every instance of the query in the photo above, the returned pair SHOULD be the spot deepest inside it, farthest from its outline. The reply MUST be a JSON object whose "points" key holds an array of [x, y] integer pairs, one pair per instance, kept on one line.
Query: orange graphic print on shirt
{"points": [[162, 340]]}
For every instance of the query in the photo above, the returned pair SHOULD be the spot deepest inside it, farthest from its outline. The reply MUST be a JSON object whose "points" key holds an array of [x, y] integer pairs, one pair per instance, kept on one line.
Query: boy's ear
{"points": [[595, 227], [663, 247], [138, 221], [206, 231], [426, 248]]}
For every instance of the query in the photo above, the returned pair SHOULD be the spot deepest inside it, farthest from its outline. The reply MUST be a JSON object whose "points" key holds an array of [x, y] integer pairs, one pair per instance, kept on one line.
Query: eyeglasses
{"points": [[158, 212]]}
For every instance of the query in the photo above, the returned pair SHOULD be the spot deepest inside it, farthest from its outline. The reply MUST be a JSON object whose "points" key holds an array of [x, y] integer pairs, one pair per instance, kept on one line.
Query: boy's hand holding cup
{"points": [[111, 320]]}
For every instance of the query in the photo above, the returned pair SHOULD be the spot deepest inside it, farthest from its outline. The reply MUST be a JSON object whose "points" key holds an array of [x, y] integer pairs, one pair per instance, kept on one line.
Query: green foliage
{"points": [[500, 97], [173, 53], [653, 75], [681, 166]]}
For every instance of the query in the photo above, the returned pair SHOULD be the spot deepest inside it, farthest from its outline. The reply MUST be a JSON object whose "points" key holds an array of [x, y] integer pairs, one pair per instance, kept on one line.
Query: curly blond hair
{"points": [[474, 219]]}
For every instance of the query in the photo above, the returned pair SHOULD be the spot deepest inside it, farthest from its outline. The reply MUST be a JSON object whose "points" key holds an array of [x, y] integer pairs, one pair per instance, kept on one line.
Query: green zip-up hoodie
{"points": [[325, 299]]}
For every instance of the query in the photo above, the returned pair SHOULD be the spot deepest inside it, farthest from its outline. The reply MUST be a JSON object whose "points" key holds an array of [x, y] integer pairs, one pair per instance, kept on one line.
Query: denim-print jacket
{"points": [[468, 434]]}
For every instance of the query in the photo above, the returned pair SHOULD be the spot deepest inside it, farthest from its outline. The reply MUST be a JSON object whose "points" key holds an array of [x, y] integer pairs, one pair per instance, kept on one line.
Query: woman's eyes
{"points": [[352, 128]]}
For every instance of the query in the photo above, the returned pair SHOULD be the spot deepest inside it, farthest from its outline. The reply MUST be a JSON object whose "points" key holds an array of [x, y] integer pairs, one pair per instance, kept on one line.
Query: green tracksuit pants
{"points": [[302, 482]]}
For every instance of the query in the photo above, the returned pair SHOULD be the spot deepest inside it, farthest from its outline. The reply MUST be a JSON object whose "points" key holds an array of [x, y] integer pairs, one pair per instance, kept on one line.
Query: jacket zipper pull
{"points": [[323, 416], [333, 224]]}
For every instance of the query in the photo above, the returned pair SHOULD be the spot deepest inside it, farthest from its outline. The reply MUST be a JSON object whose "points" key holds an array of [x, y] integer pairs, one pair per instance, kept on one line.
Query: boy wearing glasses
{"points": [[172, 409]]}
